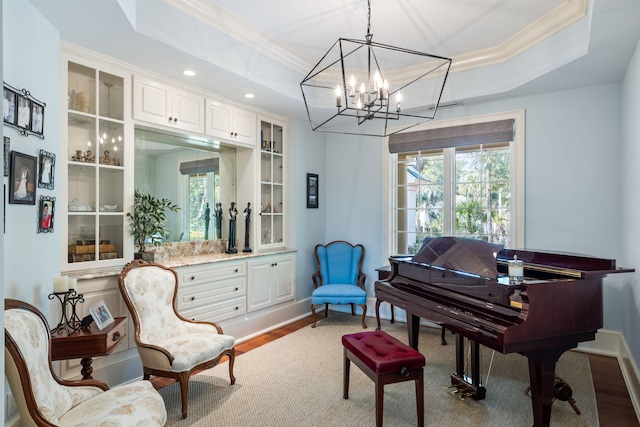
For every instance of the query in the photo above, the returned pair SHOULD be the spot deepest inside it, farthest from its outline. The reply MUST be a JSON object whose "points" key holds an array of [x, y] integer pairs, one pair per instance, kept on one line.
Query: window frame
{"points": [[516, 174]]}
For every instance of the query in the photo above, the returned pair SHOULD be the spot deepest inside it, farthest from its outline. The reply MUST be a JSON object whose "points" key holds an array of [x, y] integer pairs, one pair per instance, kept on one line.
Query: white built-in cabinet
{"points": [[165, 105], [97, 132], [212, 292], [272, 149], [270, 281], [230, 123]]}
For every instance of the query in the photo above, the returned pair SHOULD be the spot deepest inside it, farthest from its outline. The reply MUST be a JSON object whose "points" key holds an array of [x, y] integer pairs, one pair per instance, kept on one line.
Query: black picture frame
{"points": [[46, 170], [9, 105], [37, 118], [23, 117], [7, 155], [22, 179], [46, 214], [312, 191]]}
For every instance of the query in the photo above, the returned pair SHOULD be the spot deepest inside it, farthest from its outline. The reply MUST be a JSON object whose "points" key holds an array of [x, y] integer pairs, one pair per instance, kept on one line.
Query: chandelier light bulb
{"points": [[398, 101], [338, 97], [352, 86]]}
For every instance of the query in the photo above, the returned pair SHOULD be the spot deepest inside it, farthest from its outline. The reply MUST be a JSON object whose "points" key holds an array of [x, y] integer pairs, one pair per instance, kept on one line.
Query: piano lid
{"points": [[460, 254]]}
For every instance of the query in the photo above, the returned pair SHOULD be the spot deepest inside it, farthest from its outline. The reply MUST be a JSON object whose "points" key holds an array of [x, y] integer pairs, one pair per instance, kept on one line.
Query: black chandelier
{"points": [[360, 87]]}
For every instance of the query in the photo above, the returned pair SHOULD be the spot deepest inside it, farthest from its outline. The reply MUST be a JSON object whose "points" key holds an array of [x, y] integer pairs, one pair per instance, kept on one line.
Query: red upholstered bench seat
{"points": [[385, 360], [382, 353]]}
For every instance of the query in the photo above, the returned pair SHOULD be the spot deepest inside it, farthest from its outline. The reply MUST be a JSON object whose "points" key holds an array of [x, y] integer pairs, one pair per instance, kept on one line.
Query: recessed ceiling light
{"points": [[189, 73], [249, 95]]}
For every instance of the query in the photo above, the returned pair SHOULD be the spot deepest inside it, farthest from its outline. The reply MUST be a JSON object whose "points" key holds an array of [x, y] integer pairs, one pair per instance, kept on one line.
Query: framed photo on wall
{"points": [[9, 106], [101, 315], [46, 214], [37, 118], [312, 190], [47, 162], [22, 179], [24, 112]]}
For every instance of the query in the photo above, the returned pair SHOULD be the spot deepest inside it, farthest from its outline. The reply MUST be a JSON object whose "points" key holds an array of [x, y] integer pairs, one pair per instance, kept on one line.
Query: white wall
{"points": [[31, 61], [629, 312]]}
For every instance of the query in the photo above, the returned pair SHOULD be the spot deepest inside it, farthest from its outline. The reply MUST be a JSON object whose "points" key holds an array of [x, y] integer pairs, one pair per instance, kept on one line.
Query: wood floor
{"points": [[614, 404]]}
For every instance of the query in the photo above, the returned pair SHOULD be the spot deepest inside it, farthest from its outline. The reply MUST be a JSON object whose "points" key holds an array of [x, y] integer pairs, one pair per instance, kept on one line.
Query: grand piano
{"points": [[463, 286]]}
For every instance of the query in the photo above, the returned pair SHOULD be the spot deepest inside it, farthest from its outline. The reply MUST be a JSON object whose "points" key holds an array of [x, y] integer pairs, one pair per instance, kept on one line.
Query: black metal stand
{"points": [[69, 322]]}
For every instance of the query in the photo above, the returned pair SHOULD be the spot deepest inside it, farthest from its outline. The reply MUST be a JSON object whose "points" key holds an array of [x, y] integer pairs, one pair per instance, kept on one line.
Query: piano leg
{"points": [[468, 386], [542, 370], [413, 327]]}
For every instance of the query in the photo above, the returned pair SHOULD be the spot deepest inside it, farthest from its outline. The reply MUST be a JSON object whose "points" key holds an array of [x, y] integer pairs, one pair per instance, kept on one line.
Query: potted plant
{"points": [[147, 221]]}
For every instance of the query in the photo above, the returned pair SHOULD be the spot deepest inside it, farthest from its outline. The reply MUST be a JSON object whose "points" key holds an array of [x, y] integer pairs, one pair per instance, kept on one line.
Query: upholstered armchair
{"points": [[44, 399], [170, 345], [339, 278]]}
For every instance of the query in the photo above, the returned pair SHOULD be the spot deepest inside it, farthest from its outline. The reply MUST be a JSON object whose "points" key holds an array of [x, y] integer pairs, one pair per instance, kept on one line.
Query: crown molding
{"points": [[214, 15]]}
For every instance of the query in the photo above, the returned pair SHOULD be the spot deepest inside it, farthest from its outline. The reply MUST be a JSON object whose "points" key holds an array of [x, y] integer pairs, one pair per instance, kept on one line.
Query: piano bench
{"points": [[385, 360]]}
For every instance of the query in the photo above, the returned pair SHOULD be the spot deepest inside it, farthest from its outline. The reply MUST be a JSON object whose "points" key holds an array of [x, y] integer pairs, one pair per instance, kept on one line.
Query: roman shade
{"points": [[200, 166], [453, 136]]}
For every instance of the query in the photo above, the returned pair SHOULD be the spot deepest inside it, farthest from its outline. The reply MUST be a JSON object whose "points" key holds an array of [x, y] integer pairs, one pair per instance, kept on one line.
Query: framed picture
{"points": [[312, 190], [7, 152], [24, 112], [37, 118], [9, 105], [46, 214], [101, 315], [47, 163], [22, 179]]}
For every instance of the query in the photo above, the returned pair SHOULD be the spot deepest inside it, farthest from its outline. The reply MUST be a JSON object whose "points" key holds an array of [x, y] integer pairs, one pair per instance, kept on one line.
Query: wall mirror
{"points": [[194, 173]]}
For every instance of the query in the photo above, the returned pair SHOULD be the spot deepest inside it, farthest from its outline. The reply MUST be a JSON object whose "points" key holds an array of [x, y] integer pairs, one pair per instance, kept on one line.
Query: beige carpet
{"points": [[297, 381]]}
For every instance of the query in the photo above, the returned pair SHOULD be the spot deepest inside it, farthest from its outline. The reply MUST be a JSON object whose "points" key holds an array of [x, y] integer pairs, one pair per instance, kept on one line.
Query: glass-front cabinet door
{"points": [[97, 230], [272, 183]]}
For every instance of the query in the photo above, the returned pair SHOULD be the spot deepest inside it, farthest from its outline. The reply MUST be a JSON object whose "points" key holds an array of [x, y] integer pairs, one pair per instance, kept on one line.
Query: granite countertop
{"points": [[181, 261]]}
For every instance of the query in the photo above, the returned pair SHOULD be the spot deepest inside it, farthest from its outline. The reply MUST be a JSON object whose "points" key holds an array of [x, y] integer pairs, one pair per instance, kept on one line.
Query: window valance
{"points": [[200, 166], [453, 136]]}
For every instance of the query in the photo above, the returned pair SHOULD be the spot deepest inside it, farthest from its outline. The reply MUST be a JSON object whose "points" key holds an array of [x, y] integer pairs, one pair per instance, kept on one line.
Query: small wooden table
{"points": [[85, 344]]}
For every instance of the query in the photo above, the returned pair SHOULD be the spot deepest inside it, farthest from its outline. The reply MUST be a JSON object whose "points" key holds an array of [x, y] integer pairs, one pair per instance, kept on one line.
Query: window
{"points": [[468, 189]]}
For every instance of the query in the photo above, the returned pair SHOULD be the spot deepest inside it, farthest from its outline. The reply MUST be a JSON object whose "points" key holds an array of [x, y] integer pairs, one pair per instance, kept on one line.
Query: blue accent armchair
{"points": [[339, 279]]}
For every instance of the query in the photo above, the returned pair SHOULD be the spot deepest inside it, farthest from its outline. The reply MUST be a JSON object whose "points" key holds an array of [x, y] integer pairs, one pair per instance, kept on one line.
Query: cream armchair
{"points": [[44, 399], [170, 345]]}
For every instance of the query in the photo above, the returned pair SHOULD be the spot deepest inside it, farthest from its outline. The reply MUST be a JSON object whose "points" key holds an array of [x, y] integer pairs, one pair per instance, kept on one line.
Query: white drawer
{"points": [[194, 275], [211, 292], [217, 312]]}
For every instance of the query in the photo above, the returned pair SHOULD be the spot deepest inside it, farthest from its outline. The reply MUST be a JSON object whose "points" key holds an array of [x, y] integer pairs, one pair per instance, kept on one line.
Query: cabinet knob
{"points": [[116, 335], [170, 119], [236, 289], [175, 120], [237, 308], [193, 278], [235, 134], [193, 298], [236, 270]]}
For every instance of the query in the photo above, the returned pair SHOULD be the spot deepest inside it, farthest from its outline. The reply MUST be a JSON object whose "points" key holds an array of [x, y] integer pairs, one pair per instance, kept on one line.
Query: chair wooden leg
{"points": [[232, 359], [326, 311], [313, 315], [183, 379], [364, 315]]}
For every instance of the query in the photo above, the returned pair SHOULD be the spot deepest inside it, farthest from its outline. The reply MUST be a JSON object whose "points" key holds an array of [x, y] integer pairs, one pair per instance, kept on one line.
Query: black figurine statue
{"points": [[218, 219], [233, 213], [207, 217], [247, 223]]}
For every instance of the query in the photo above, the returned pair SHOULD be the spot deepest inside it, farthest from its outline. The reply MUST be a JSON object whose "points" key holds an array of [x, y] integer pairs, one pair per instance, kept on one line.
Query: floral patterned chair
{"points": [[169, 344], [339, 278], [44, 399]]}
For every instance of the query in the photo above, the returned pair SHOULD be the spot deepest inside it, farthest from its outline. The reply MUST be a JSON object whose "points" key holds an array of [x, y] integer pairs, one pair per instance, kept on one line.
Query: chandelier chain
{"points": [[369, 35]]}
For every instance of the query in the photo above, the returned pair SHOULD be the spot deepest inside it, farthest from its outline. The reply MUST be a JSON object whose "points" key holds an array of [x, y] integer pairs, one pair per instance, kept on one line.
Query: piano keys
{"points": [[463, 285]]}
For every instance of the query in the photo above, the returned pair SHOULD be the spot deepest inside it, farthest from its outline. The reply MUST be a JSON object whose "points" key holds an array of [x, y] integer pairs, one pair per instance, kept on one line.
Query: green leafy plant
{"points": [[148, 219]]}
